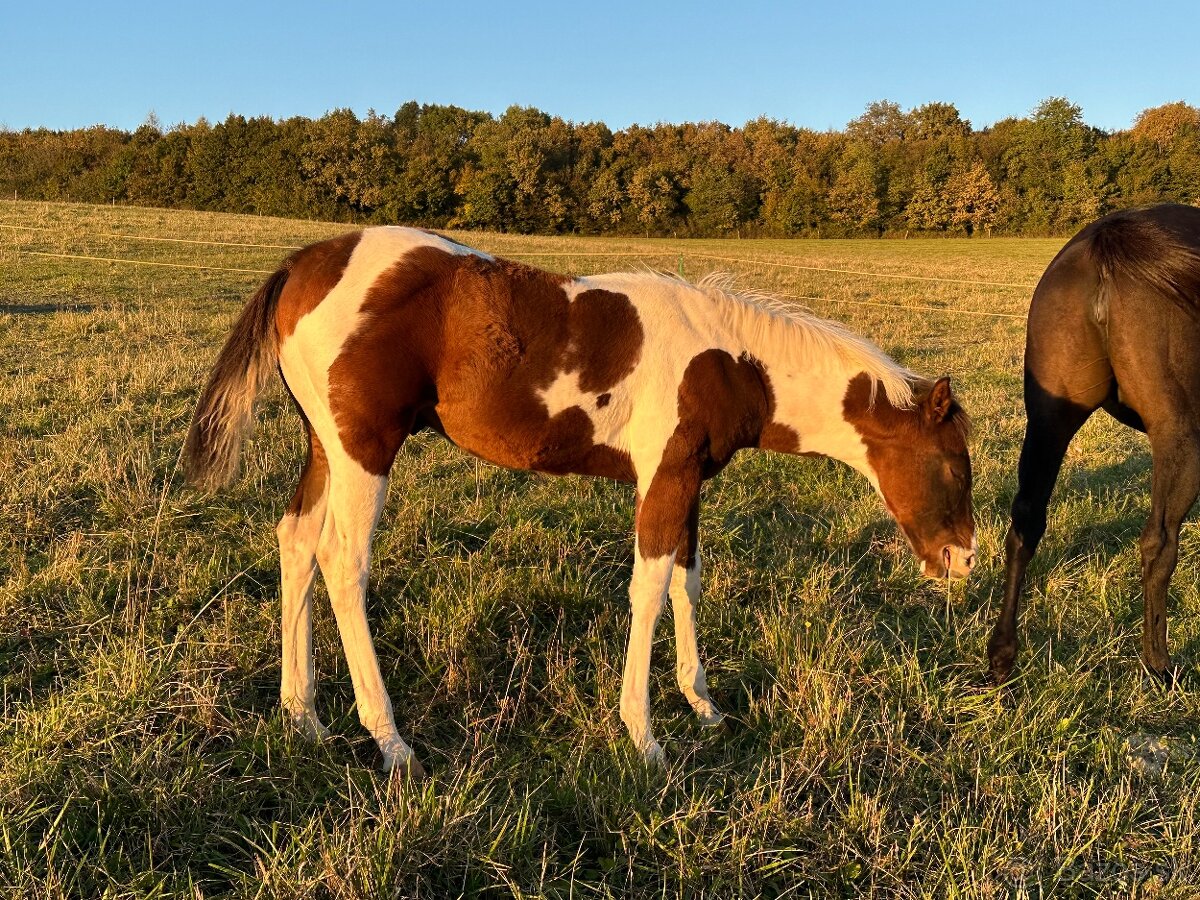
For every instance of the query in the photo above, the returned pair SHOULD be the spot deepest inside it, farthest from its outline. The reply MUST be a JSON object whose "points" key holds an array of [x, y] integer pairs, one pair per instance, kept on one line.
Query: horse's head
{"points": [[918, 460]]}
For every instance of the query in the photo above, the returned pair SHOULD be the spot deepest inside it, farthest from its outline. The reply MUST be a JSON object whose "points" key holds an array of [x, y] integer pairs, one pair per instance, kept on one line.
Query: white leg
{"points": [[298, 539], [355, 502], [647, 592], [685, 592]]}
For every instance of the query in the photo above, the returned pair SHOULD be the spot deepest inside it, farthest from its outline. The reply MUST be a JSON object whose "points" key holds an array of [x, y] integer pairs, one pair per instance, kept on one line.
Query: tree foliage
{"points": [[925, 170]]}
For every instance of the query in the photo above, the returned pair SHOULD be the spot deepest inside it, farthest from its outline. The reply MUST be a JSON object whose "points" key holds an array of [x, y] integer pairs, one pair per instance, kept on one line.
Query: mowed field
{"points": [[142, 753]]}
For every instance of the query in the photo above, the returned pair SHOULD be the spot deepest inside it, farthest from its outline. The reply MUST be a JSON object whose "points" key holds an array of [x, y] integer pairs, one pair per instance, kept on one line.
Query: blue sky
{"points": [[67, 64]]}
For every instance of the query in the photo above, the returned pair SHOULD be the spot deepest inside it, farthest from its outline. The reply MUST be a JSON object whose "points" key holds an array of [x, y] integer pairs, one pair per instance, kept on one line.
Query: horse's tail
{"points": [[225, 411], [1136, 249]]}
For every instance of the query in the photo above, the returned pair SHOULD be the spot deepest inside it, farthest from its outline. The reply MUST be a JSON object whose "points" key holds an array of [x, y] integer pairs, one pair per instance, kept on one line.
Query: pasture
{"points": [[142, 753]]}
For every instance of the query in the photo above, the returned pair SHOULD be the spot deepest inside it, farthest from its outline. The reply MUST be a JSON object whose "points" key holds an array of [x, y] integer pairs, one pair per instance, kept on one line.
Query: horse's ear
{"points": [[937, 404]]}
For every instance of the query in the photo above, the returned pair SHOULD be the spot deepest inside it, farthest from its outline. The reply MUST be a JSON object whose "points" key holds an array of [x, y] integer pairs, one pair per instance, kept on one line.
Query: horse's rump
{"points": [[1156, 249]]}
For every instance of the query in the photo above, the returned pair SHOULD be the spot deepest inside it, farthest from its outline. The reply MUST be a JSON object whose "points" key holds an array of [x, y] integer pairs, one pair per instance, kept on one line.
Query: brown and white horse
{"points": [[641, 378]]}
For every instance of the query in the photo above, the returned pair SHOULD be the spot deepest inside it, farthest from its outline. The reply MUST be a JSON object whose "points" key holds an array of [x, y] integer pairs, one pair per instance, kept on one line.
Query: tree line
{"points": [[890, 171]]}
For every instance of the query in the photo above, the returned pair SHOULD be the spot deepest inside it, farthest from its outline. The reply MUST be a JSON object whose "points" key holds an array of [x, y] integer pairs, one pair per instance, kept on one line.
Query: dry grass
{"points": [[141, 753]]}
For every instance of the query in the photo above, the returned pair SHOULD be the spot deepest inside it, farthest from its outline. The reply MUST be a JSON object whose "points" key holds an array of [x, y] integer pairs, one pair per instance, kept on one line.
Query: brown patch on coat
{"points": [[605, 340], [920, 459], [312, 274], [603, 400], [689, 544], [723, 405], [777, 436], [315, 473], [465, 344]]}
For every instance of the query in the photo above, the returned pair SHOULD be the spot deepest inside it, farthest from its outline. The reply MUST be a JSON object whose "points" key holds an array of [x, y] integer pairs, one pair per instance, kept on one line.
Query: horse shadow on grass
{"points": [[43, 309]]}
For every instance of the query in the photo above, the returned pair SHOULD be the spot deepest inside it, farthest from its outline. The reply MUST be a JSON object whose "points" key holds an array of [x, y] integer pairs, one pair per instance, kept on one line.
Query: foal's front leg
{"points": [[661, 520], [685, 593]]}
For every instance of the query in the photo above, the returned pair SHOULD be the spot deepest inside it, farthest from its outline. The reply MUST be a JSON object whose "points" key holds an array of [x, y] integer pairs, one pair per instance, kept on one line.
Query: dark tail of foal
{"points": [[226, 408], [1142, 251]]}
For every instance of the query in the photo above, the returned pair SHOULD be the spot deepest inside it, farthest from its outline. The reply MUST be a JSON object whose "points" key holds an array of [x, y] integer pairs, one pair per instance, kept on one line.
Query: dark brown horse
{"points": [[635, 377], [1114, 325]]}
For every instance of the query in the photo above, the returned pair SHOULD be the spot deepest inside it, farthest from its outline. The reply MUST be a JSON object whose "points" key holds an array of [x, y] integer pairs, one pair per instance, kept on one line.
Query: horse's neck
{"points": [[807, 396]]}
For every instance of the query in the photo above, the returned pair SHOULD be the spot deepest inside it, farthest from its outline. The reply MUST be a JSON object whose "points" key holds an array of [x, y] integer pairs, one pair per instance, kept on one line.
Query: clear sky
{"points": [[68, 63]]}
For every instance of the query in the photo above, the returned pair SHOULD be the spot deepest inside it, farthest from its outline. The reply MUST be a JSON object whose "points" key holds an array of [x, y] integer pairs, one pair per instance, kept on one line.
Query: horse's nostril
{"points": [[958, 559]]}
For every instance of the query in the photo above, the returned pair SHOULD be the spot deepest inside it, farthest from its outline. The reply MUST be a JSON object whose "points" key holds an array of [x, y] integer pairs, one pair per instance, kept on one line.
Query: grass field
{"points": [[142, 754]]}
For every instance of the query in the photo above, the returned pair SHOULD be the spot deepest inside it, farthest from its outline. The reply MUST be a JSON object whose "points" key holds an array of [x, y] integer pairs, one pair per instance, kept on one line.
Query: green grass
{"points": [[142, 754]]}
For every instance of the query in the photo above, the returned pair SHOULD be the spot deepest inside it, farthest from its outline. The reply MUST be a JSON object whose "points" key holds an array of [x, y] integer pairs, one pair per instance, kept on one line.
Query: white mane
{"points": [[806, 339]]}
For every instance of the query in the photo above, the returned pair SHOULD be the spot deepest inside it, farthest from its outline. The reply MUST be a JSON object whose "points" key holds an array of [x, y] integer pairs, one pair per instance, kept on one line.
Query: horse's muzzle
{"points": [[956, 562]]}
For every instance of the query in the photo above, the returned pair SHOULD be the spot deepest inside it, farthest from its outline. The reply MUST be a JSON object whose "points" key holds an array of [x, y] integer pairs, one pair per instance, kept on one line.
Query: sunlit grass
{"points": [[141, 753]]}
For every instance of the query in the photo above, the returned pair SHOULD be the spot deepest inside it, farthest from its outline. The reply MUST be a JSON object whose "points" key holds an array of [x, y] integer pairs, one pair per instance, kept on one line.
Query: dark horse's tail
{"points": [[225, 411], [1138, 246]]}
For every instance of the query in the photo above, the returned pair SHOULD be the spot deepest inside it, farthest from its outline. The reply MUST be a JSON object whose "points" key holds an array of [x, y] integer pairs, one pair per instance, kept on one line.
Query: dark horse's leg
{"points": [[1052, 422], [1176, 482], [1153, 353], [1154, 357], [1068, 376]]}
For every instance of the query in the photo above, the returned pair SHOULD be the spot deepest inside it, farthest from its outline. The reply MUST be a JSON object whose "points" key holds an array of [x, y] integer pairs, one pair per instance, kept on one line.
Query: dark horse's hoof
{"points": [[1170, 676], [1000, 674], [1001, 660]]}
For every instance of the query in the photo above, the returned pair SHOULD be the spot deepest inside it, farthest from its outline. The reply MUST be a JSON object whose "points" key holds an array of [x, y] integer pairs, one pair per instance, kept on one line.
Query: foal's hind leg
{"points": [[1052, 422], [684, 593], [299, 532], [355, 501], [1175, 485]]}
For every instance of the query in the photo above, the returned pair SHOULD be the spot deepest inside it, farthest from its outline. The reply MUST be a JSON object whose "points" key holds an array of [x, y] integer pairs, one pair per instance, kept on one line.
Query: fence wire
{"points": [[682, 255]]}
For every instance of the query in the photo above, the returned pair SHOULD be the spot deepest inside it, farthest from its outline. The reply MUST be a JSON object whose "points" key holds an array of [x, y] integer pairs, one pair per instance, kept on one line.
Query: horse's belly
{"points": [[569, 442]]}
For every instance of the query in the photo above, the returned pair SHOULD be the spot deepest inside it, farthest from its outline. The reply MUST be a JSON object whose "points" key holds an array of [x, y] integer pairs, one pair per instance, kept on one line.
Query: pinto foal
{"points": [[641, 378]]}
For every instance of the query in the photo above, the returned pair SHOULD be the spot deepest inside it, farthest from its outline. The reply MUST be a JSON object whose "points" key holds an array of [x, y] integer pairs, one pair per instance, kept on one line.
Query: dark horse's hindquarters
{"points": [[1114, 324]]}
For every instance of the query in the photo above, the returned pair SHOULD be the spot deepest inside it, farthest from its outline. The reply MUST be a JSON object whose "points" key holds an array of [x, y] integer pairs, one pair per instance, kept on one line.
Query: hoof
{"points": [[1169, 676], [398, 758], [1001, 660], [405, 768], [708, 714], [653, 757], [309, 725]]}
